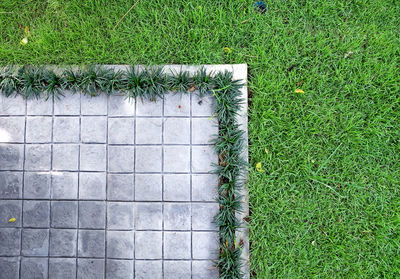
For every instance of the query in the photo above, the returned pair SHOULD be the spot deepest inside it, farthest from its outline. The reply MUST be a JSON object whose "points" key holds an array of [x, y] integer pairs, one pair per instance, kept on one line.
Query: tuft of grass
{"points": [[316, 212]]}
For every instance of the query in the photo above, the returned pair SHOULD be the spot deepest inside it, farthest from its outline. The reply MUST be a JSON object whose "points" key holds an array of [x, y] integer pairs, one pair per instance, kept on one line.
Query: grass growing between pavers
{"points": [[327, 202]]}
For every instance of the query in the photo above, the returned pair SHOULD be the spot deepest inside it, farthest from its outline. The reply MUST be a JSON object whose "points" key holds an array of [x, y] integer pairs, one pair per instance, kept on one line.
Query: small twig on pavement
{"points": [[126, 14]]}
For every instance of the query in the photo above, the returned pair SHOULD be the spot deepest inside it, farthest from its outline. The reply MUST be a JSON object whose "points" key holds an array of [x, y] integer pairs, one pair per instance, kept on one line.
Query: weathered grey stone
{"points": [[34, 268], [96, 105], [203, 158], [177, 187], [12, 129], [120, 244], [12, 105], [11, 156], [10, 242], [177, 245], [92, 214], [202, 106], [149, 216], [119, 105], [91, 243], [39, 129], [148, 187], [69, 105], [65, 156], [90, 268], [177, 270], [38, 157], [93, 157], [204, 187], [66, 129], [36, 214], [121, 158], [204, 270], [177, 131], [203, 216], [121, 130], [176, 158], [11, 185], [92, 186], [64, 214], [148, 269], [9, 267], [149, 108], [148, 159], [120, 187], [64, 185], [148, 245], [120, 215], [63, 242], [119, 269], [177, 105], [62, 268], [94, 129], [10, 209], [35, 242], [205, 245], [37, 185], [149, 130], [204, 130], [177, 216], [39, 107]]}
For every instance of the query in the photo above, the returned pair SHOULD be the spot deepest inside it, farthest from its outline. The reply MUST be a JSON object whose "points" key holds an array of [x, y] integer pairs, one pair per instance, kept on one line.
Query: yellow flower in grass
{"points": [[299, 91], [259, 167], [227, 50]]}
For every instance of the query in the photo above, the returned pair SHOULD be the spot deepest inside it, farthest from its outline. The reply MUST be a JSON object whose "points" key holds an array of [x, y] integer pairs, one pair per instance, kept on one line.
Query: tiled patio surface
{"points": [[107, 188]]}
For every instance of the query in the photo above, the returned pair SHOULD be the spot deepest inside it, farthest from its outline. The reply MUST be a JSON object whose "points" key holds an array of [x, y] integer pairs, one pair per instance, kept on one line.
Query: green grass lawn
{"points": [[328, 202]]}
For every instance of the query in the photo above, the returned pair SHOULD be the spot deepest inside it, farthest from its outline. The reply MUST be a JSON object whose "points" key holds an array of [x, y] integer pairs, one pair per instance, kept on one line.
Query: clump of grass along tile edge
{"points": [[153, 83]]}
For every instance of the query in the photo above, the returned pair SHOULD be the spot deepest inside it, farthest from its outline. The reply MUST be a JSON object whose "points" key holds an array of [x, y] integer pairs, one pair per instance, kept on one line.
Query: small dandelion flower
{"points": [[299, 91], [259, 167], [227, 50], [24, 41]]}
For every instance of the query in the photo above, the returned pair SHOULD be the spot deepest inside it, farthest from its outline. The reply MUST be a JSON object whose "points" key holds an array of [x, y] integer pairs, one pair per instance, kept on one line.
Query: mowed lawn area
{"points": [[326, 203]]}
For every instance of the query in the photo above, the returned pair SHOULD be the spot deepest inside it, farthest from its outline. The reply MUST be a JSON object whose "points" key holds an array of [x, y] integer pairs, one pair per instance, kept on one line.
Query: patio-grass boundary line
{"points": [[152, 83]]}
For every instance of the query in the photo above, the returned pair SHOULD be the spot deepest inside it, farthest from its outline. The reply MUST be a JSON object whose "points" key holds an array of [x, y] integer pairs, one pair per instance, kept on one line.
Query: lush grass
{"points": [[327, 204]]}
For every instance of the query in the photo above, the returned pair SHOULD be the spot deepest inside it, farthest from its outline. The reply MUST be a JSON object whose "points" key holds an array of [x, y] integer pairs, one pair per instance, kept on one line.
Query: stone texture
{"points": [[121, 158], [149, 130], [94, 105], [94, 129], [69, 105], [148, 245], [65, 157], [176, 158], [202, 106], [12, 129], [36, 214], [9, 268], [91, 243], [177, 216], [64, 185], [204, 187], [10, 242], [121, 106], [148, 269], [120, 215], [148, 159], [12, 106], [38, 157], [120, 187], [63, 242], [204, 130], [177, 187], [177, 245], [177, 270], [204, 270], [120, 244], [119, 269], [148, 187], [62, 268], [93, 157], [149, 108], [39, 129], [11, 156], [10, 209], [34, 268], [35, 242], [11, 185], [177, 105], [90, 268], [205, 245], [64, 214], [92, 214], [40, 107], [203, 158], [177, 131], [37, 185], [203, 216], [66, 129], [92, 186], [121, 130], [149, 216]]}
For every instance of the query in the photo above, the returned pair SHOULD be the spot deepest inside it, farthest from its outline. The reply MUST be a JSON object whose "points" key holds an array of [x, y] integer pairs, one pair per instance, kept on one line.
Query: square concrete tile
{"points": [[177, 159], [148, 159], [177, 270], [10, 242], [148, 245], [204, 158], [204, 187], [62, 268], [38, 157], [91, 243], [64, 214], [15, 105], [64, 185], [12, 156], [12, 129], [120, 187], [35, 242], [177, 216], [65, 157], [94, 129], [204, 130], [177, 105], [205, 245], [148, 187], [203, 216], [203, 106], [94, 105], [149, 108], [36, 214], [148, 269], [10, 209], [63, 242], [93, 157], [69, 105], [149, 216], [66, 129], [92, 185], [119, 269], [9, 267], [121, 106], [39, 129], [149, 130], [177, 187], [11, 185], [121, 130], [204, 270], [37, 267], [39, 107], [177, 245], [92, 214], [37, 185], [121, 158], [177, 131], [90, 268], [120, 244], [120, 215]]}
